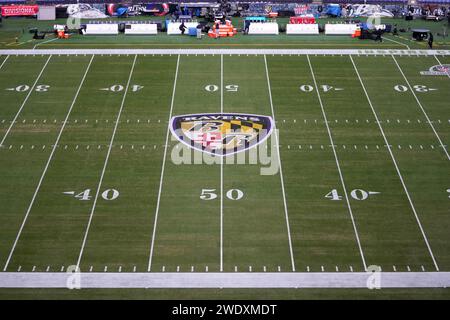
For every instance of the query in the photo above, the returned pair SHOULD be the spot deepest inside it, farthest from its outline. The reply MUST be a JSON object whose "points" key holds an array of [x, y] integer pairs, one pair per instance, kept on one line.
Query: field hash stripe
{"points": [[25, 101], [55, 145], [422, 108], [396, 166], [105, 164], [280, 168], [3, 63], [163, 167], [350, 211]]}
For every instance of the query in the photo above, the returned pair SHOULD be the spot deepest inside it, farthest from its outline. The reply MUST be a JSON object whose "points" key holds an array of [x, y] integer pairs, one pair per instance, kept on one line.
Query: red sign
{"points": [[14, 11]]}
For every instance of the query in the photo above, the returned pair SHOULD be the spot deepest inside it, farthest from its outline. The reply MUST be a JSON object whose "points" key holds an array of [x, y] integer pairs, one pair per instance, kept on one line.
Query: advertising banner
{"points": [[15, 11]]}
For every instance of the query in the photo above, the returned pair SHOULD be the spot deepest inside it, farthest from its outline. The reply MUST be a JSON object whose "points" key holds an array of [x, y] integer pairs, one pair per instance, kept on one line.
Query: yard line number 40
{"points": [[108, 194], [357, 194]]}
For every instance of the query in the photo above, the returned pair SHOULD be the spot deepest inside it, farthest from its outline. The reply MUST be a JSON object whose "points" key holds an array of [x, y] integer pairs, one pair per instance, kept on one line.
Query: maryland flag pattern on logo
{"points": [[221, 133]]}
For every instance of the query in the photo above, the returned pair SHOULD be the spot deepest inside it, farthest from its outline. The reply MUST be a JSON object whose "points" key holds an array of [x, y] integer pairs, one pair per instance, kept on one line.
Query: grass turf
{"points": [[188, 229]]}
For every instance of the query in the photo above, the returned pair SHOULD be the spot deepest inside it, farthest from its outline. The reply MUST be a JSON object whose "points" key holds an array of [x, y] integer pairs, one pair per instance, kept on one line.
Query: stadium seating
{"points": [[101, 29], [302, 28], [143, 29], [263, 28]]}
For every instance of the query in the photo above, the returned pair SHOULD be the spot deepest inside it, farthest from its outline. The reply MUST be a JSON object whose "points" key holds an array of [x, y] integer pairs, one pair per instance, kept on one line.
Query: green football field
{"points": [[90, 173]]}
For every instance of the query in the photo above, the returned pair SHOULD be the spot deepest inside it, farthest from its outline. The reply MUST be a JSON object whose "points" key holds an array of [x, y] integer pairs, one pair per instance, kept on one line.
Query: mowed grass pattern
{"points": [[255, 229]]}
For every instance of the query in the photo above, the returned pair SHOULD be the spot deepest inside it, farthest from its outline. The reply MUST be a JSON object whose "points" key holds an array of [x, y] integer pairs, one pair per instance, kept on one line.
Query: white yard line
{"points": [[31, 90], [106, 163], [421, 108], [275, 133], [397, 42], [291, 280], [337, 164], [163, 167], [55, 145], [4, 61], [38, 44], [448, 72], [396, 167], [221, 170]]}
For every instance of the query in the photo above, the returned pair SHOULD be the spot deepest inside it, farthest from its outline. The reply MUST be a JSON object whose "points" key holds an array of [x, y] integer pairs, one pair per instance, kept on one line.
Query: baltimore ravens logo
{"points": [[221, 134], [437, 70]]}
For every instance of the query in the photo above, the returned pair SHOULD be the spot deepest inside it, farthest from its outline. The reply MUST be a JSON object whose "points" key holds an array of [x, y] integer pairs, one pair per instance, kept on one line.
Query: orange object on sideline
{"points": [[225, 30]]}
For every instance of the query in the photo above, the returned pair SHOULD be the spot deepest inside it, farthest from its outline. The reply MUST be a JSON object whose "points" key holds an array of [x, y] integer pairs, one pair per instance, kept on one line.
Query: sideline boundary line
{"points": [[47, 41], [398, 42], [399, 52], [280, 168], [396, 167], [423, 110], [163, 167], [293, 280], [350, 211], [30, 91], [55, 145], [91, 216]]}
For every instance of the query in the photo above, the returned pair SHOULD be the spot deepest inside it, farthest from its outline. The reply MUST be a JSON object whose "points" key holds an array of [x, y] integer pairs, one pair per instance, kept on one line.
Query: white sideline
{"points": [[224, 280], [399, 52], [423, 110], [55, 145], [30, 91], [350, 211], [396, 167], [397, 42], [150, 258], [106, 163], [280, 168], [47, 41]]}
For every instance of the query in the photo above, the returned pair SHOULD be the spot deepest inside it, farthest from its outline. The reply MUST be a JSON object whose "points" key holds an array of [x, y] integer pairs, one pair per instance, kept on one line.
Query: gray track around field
{"points": [[224, 280], [227, 51]]}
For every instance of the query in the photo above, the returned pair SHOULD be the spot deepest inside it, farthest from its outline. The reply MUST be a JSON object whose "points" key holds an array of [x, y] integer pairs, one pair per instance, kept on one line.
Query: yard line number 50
{"points": [[232, 194]]}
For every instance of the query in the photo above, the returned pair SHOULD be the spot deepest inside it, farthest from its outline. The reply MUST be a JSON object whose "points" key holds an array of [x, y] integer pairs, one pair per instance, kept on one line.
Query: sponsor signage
{"points": [[15, 11]]}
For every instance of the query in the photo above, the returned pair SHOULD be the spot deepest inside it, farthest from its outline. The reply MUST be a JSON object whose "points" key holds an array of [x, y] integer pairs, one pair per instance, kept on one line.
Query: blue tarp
{"points": [[334, 10]]}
